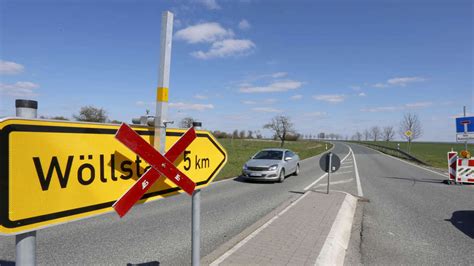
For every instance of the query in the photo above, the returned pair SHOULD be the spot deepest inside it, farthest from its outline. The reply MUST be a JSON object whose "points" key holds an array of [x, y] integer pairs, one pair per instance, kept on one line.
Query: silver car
{"points": [[271, 165]]}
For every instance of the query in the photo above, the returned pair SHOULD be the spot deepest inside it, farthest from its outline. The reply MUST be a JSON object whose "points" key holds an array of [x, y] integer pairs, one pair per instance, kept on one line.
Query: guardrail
{"points": [[391, 151]]}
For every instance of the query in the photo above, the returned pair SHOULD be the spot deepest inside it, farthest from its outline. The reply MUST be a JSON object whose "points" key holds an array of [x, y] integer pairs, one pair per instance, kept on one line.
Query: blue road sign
{"points": [[460, 124]]}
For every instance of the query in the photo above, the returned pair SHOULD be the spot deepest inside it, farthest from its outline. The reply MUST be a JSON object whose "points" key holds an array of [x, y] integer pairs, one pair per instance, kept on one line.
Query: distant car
{"points": [[271, 165]]}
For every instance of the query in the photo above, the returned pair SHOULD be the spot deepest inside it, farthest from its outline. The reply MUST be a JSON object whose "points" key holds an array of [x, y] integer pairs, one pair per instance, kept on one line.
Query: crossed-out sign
{"points": [[160, 165], [54, 172]]}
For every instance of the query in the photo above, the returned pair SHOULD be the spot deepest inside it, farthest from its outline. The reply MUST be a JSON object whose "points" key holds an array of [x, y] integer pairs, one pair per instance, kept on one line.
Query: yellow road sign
{"points": [[408, 133], [53, 172]]}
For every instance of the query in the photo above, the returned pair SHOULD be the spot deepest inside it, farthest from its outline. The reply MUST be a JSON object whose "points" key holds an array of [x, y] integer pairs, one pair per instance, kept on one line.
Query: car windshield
{"points": [[269, 155]]}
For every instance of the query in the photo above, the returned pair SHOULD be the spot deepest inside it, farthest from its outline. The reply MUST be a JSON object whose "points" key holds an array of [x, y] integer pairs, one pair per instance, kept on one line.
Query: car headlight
{"points": [[244, 167], [273, 167]]}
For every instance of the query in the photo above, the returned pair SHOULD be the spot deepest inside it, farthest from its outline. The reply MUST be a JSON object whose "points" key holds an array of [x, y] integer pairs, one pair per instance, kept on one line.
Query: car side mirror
{"points": [[288, 158]]}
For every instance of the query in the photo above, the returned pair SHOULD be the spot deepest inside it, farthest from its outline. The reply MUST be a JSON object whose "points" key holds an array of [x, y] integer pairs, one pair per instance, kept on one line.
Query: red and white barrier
{"points": [[465, 171], [452, 158]]}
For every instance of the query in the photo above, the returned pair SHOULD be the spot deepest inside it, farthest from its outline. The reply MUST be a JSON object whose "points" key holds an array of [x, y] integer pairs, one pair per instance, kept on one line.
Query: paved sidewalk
{"points": [[295, 236]]}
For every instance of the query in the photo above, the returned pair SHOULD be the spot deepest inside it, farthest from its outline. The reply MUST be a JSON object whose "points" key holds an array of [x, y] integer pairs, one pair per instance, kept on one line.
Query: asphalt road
{"points": [[161, 231], [412, 218]]}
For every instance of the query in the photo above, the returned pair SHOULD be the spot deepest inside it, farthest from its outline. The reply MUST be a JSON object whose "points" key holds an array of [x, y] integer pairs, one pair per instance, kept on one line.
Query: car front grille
{"points": [[253, 168]]}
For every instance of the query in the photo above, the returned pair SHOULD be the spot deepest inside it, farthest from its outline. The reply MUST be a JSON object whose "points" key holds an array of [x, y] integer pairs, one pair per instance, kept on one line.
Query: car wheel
{"points": [[281, 178], [297, 171]]}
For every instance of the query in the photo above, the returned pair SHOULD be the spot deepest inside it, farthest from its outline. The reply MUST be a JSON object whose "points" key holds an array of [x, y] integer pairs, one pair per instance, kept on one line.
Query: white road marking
{"points": [[349, 166], [337, 241], [321, 177], [252, 235], [335, 182], [359, 186], [340, 173]]}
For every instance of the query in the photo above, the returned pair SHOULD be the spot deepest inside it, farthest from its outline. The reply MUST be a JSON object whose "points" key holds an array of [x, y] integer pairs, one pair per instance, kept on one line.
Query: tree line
{"points": [[409, 123], [281, 126]]}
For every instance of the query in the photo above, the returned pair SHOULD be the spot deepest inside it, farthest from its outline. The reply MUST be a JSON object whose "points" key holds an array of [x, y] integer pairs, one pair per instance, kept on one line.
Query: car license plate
{"points": [[256, 175]]}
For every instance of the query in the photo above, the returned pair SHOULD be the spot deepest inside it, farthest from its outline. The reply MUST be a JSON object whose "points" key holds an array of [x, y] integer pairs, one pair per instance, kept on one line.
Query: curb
{"points": [[337, 241]]}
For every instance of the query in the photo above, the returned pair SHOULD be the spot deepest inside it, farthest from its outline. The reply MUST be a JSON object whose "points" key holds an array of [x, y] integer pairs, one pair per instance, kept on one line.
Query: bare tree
{"points": [[367, 135], [186, 122], [235, 134], [410, 122], [91, 114], [358, 136], [250, 134], [375, 132], [388, 133], [242, 134], [281, 126]]}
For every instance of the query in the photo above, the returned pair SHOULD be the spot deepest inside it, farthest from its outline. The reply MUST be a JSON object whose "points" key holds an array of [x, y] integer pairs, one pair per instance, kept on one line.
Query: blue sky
{"points": [[332, 66]]}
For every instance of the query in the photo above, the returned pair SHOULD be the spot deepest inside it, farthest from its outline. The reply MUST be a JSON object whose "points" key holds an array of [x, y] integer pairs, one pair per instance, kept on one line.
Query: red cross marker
{"points": [[160, 166]]}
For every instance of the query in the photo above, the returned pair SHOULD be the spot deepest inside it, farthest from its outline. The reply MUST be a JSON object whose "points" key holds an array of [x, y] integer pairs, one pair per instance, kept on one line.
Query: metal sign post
{"points": [[196, 221], [465, 129], [196, 228], [329, 163], [329, 172], [163, 81], [25, 244]]}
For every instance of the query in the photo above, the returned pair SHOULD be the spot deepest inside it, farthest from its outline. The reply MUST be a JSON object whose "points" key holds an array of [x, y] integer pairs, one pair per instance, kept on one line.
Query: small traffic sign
{"points": [[464, 128], [54, 172], [408, 133], [335, 162]]}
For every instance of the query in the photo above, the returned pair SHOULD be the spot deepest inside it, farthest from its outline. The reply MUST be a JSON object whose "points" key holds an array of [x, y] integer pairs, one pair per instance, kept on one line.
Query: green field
{"points": [[240, 150], [434, 154]]}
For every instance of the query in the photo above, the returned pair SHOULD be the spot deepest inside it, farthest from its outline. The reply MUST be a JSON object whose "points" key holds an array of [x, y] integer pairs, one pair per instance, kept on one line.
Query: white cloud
{"points": [[297, 97], [19, 89], [204, 33], [380, 85], [399, 81], [381, 109], [415, 105], [210, 4], [226, 48], [200, 97], [418, 105], [277, 86], [356, 88], [266, 110], [10, 68], [362, 94], [244, 24], [330, 98], [316, 114], [270, 101], [279, 75], [249, 102], [403, 81], [191, 106]]}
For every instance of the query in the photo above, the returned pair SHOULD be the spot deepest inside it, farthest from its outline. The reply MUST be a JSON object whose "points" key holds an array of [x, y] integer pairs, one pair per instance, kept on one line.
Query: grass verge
{"points": [[434, 154], [240, 151]]}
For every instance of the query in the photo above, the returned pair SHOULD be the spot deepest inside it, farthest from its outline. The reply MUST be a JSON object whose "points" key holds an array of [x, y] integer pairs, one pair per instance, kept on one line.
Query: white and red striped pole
{"points": [[452, 158]]}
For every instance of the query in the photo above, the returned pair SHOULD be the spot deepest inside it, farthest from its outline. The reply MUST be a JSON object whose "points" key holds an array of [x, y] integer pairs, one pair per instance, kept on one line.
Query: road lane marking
{"points": [[340, 173], [335, 182], [255, 233], [359, 186], [349, 166], [321, 177]]}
